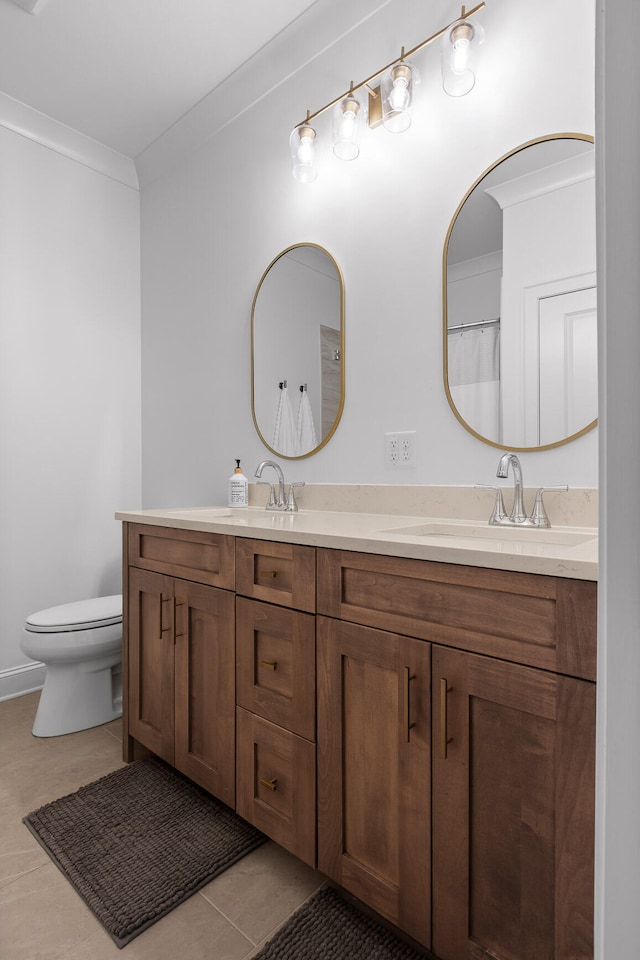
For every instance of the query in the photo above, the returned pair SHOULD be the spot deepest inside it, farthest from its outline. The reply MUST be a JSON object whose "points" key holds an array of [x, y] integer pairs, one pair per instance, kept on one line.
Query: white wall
{"points": [[212, 221], [69, 379]]}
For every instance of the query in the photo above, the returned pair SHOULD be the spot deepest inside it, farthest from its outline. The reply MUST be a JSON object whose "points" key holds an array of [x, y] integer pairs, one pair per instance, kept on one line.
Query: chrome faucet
{"points": [[283, 501], [279, 503], [517, 514]]}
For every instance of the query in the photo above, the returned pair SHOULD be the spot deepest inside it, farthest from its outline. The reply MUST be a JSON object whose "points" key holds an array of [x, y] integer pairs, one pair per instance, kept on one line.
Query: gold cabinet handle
{"points": [[445, 689], [268, 664], [162, 600], [176, 603], [270, 784], [271, 574], [408, 726]]}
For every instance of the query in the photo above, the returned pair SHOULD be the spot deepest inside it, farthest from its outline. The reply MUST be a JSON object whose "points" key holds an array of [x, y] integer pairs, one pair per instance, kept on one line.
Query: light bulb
{"points": [[305, 150], [399, 96], [346, 117], [348, 125], [302, 145], [459, 57]]}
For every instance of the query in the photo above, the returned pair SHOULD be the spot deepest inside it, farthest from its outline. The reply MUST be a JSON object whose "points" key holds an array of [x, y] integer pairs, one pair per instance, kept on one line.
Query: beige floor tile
{"points": [[16, 720], [63, 764], [260, 891], [41, 915], [193, 931], [20, 852]]}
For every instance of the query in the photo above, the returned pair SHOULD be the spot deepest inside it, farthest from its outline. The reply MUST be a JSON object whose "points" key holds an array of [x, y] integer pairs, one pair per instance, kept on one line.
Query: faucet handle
{"points": [[499, 513], [539, 516], [271, 502], [292, 506]]}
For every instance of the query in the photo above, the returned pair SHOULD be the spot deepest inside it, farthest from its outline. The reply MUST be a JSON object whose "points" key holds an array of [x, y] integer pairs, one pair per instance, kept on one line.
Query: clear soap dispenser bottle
{"points": [[238, 488]]}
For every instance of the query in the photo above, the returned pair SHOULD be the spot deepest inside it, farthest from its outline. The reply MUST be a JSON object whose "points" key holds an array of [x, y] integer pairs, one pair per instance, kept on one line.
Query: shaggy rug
{"points": [[140, 841], [329, 928]]}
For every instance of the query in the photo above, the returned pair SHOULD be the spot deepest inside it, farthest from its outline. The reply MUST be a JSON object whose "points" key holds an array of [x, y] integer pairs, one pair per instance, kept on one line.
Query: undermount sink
{"points": [[477, 531]]}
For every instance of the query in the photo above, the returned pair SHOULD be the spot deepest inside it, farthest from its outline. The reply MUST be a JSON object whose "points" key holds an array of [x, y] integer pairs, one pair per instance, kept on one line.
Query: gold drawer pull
{"points": [[271, 574], [408, 726], [269, 664], [445, 689], [270, 784]]}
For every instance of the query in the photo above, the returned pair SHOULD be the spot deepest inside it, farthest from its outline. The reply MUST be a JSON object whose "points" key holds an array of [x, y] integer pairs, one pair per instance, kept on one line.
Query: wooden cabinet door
{"points": [[204, 629], [513, 811], [150, 662], [373, 769]]}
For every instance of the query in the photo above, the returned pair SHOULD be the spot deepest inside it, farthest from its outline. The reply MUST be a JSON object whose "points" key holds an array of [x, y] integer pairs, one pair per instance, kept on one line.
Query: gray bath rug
{"points": [[140, 841], [329, 928]]}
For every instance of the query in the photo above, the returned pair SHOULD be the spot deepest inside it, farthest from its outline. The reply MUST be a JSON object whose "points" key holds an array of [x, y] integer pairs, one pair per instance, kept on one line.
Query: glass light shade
{"points": [[346, 128], [396, 89], [459, 49], [302, 143]]}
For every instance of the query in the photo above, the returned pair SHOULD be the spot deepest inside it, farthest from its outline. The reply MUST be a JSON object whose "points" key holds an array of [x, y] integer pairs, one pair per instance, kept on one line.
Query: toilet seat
{"points": [[80, 645], [80, 615]]}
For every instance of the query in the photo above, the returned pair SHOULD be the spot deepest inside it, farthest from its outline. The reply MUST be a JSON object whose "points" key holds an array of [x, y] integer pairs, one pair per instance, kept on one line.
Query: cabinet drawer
{"points": [[276, 783], [281, 573], [539, 621], [191, 554], [276, 664]]}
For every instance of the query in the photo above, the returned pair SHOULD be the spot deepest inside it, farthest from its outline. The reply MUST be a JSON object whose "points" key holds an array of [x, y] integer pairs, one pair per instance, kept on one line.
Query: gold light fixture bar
{"points": [[465, 14]]}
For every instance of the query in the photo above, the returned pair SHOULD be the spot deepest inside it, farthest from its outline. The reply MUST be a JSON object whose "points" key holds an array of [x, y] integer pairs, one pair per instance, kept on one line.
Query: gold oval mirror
{"points": [[297, 351], [519, 294]]}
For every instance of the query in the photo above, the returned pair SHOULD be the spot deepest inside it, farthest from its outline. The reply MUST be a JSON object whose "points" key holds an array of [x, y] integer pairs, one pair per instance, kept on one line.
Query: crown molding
{"points": [[306, 38], [27, 122], [31, 6]]}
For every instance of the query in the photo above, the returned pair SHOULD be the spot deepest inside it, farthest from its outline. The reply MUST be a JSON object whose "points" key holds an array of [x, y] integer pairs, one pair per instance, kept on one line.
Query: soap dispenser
{"points": [[238, 488]]}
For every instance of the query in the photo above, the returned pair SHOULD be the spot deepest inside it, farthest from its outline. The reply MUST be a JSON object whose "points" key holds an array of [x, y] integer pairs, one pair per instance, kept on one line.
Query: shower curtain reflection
{"points": [[474, 375]]}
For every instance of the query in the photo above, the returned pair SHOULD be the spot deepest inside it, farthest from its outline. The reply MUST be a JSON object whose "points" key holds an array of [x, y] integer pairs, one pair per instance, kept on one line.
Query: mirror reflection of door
{"points": [[568, 339], [523, 235]]}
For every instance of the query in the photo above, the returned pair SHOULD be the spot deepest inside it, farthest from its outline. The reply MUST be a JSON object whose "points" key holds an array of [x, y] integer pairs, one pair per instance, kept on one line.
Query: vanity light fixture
{"points": [[459, 47], [389, 103], [303, 152], [396, 91], [346, 127]]}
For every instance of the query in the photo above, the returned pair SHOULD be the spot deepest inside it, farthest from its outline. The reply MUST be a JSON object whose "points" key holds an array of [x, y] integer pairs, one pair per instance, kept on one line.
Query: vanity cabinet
{"points": [[510, 774], [423, 731], [180, 654], [276, 692]]}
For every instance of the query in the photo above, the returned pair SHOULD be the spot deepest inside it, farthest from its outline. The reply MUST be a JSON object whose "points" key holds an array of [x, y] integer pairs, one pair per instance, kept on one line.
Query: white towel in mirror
{"points": [[305, 428], [284, 434]]}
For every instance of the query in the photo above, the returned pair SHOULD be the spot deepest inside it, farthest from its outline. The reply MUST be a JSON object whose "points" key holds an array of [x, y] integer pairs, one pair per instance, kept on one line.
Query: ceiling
{"points": [[124, 71]]}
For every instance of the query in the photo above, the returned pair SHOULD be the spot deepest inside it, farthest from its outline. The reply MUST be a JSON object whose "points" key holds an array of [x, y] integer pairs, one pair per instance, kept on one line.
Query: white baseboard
{"points": [[17, 681]]}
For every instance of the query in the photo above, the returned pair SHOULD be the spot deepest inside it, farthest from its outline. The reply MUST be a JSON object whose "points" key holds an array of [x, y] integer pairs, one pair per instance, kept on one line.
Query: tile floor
{"points": [[42, 917]]}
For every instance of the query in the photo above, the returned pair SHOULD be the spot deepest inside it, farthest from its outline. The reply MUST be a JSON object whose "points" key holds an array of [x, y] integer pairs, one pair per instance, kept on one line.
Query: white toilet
{"points": [[81, 646]]}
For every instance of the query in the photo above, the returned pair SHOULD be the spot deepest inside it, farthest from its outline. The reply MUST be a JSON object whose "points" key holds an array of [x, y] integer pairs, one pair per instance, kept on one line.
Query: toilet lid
{"points": [[81, 615]]}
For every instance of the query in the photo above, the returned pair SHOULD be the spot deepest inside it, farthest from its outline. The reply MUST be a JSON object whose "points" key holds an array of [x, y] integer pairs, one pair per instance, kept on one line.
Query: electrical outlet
{"points": [[391, 449], [400, 449]]}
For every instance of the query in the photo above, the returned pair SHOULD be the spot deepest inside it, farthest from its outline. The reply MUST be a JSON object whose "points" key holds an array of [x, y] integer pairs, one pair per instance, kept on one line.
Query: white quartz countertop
{"points": [[560, 551]]}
